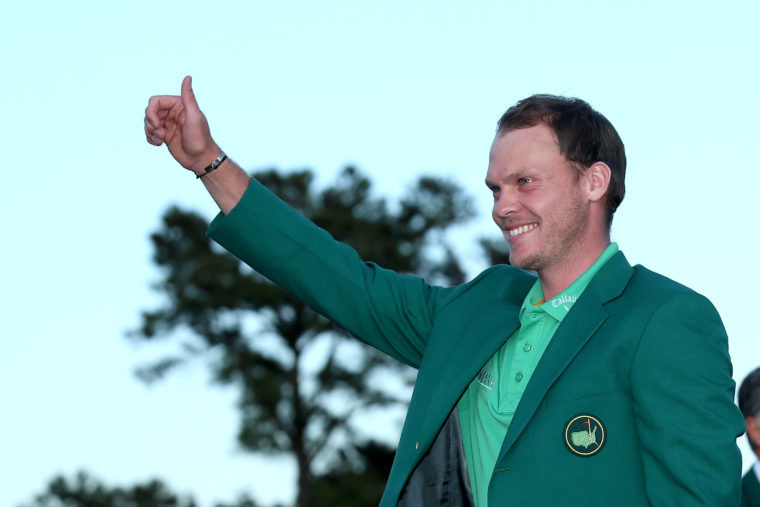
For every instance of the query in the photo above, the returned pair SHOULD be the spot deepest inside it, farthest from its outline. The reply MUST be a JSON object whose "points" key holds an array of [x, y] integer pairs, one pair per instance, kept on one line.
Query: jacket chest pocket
{"points": [[575, 388]]}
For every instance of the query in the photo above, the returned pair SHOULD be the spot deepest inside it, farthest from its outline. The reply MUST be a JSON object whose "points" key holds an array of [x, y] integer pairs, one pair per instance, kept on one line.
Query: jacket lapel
{"points": [[493, 322], [587, 314]]}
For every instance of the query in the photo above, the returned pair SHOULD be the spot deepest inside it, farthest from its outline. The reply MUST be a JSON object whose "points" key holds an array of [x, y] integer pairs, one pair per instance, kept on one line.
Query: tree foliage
{"points": [[356, 478], [85, 490], [300, 379]]}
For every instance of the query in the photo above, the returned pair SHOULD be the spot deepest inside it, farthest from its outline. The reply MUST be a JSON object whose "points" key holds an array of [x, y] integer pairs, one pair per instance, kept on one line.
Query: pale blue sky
{"points": [[398, 88]]}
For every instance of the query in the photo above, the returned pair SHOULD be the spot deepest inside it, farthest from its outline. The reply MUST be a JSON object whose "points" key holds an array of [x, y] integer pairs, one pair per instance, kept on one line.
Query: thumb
{"points": [[188, 96]]}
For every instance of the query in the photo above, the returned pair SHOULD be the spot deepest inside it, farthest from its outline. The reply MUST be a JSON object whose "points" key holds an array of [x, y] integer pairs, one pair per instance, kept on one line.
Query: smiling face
{"points": [[539, 205]]}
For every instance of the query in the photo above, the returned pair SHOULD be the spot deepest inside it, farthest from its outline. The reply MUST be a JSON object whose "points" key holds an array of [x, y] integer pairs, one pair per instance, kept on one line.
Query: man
{"points": [[596, 383], [749, 404]]}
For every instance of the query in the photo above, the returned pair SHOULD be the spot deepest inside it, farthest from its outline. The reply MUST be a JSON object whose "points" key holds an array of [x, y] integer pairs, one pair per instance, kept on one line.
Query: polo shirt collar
{"points": [[560, 305]]}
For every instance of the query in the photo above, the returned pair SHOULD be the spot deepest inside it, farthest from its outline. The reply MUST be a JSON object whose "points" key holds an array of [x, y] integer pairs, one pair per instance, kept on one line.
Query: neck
{"points": [[556, 278]]}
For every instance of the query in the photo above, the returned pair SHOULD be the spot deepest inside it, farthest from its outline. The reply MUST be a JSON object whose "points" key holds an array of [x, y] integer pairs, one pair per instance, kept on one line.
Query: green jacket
{"points": [[750, 489], [644, 356]]}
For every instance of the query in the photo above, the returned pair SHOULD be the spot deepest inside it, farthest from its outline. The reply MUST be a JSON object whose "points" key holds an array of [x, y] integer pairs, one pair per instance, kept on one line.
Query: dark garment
{"points": [[441, 478], [750, 489]]}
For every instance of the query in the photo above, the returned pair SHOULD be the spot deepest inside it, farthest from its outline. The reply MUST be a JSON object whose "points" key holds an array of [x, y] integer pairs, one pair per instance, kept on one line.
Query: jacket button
{"points": [[417, 446]]}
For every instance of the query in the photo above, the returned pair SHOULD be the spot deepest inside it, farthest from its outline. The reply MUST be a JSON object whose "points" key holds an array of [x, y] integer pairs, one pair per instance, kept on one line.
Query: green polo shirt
{"points": [[487, 406]]}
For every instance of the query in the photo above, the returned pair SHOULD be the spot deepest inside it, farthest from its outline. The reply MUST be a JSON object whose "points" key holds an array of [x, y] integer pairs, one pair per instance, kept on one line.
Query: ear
{"points": [[597, 180]]}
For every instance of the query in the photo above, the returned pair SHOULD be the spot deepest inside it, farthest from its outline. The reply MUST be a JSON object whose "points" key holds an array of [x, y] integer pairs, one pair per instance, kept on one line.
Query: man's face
{"points": [[537, 203], [753, 433]]}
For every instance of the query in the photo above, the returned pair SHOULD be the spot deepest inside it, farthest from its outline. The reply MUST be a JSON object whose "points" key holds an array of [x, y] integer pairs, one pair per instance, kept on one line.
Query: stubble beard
{"points": [[564, 228]]}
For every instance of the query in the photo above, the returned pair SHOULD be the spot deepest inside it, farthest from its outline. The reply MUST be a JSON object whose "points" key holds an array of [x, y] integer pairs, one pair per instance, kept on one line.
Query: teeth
{"points": [[521, 229]]}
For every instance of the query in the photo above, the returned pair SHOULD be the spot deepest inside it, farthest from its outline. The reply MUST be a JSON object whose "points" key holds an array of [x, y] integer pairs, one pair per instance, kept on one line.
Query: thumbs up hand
{"points": [[178, 122]]}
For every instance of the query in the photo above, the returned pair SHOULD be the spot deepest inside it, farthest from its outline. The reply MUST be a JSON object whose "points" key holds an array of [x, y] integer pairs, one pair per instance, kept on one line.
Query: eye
{"points": [[525, 181], [494, 190]]}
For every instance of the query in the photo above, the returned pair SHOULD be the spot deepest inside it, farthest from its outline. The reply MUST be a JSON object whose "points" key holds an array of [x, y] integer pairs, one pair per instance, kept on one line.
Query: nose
{"points": [[504, 204]]}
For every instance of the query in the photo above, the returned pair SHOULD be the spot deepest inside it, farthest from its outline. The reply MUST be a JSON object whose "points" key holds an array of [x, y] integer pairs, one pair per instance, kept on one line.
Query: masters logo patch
{"points": [[584, 435]]}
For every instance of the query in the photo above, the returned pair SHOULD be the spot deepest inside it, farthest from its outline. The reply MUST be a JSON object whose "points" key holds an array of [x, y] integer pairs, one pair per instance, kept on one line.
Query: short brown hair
{"points": [[584, 135]]}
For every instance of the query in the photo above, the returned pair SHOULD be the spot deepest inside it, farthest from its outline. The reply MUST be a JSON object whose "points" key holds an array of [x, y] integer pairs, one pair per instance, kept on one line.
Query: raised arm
{"points": [[178, 122], [392, 312]]}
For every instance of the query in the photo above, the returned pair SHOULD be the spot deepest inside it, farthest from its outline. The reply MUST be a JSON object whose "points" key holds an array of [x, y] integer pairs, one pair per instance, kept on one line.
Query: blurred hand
{"points": [[178, 122]]}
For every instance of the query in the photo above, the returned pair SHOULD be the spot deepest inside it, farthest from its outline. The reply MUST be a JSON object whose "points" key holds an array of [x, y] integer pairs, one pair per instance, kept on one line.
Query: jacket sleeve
{"points": [[683, 397], [390, 311]]}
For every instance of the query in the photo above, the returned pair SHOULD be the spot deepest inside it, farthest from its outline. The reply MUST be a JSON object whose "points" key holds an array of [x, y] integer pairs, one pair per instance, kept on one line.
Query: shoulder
{"points": [[502, 282], [650, 303], [504, 279], [656, 290], [498, 276], [644, 277], [750, 488], [673, 316], [750, 478], [503, 273]]}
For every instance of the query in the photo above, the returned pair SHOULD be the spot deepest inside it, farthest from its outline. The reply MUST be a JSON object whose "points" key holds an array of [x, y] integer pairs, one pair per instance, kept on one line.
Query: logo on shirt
{"points": [[485, 379], [564, 300], [584, 435]]}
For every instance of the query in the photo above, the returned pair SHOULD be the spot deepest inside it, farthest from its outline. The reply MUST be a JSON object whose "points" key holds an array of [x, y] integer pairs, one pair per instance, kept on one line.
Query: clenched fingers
{"points": [[155, 136], [160, 108]]}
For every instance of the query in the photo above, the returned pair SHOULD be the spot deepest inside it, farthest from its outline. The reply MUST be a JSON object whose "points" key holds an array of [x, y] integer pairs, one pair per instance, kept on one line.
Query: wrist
{"points": [[213, 166], [202, 161]]}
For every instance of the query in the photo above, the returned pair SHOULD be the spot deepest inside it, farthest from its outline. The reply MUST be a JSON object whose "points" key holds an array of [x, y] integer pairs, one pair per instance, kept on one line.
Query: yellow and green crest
{"points": [[584, 435]]}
